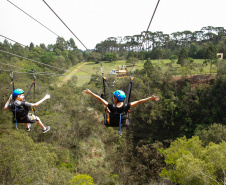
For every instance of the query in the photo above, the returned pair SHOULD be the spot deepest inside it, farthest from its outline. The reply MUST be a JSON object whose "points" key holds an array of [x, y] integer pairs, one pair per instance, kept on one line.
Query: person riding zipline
{"points": [[21, 108], [119, 108]]}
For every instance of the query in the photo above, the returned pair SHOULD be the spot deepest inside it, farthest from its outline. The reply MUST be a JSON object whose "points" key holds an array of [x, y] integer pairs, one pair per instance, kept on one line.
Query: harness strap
{"points": [[34, 99], [15, 116], [28, 91], [129, 91], [105, 84], [11, 83], [130, 85], [120, 119], [31, 85]]}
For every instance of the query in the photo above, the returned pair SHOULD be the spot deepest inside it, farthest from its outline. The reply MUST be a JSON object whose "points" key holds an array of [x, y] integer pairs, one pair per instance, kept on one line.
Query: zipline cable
{"points": [[132, 70], [71, 32], [26, 46], [12, 40], [14, 71], [15, 66], [33, 18], [32, 60], [29, 69], [143, 37], [149, 23], [30, 73], [46, 74]]}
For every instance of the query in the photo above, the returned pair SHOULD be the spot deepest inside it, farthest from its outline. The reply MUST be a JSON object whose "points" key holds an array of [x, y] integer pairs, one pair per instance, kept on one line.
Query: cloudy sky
{"points": [[93, 21]]}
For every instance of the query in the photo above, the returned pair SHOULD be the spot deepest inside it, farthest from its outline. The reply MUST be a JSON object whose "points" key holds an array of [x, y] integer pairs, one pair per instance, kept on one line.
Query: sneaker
{"points": [[29, 127], [46, 130]]}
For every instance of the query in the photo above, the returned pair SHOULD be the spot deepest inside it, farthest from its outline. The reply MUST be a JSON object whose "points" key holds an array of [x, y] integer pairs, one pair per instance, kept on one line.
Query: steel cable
{"points": [[26, 46], [71, 31], [12, 40], [46, 74], [33, 18], [149, 23], [15, 66], [32, 60]]}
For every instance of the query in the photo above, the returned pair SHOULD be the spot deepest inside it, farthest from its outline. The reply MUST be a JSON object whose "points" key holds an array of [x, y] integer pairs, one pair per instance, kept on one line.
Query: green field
{"points": [[85, 72]]}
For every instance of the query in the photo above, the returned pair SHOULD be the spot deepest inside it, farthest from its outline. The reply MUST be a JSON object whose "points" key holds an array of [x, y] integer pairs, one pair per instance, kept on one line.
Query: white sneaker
{"points": [[29, 127], [46, 130]]}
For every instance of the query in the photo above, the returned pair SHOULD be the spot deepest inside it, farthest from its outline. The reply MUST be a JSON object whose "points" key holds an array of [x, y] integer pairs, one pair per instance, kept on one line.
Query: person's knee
{"points": [[37, 118]]}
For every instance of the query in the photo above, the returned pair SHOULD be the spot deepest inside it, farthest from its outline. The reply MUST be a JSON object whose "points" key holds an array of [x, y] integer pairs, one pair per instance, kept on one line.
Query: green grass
{"points": [[84, 73], [69, 71], [90, 68]]}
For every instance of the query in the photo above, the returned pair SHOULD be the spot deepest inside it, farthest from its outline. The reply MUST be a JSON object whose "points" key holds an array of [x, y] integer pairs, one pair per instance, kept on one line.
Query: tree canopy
{"points": [[179, 139]]}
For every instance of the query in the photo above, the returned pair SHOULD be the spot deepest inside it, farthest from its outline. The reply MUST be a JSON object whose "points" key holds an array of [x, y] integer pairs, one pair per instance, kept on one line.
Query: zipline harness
{"points": [[16, 109], [108, 120]]}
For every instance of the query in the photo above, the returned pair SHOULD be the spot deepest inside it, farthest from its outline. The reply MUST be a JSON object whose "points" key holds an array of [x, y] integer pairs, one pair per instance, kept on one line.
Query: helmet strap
{"points": [[116, 100]]}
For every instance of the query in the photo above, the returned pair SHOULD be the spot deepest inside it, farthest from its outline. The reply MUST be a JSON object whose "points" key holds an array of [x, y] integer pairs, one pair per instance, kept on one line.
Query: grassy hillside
{"points": [[84, 73]]}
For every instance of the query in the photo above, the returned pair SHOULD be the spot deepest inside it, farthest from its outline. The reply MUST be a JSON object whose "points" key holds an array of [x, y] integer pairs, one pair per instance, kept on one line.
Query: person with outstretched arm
{"points": [[119, 106], [21, 108]]}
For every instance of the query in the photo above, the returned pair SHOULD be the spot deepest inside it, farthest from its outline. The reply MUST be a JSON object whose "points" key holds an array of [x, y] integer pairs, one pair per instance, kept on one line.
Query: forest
{"points": [[178, 140]]}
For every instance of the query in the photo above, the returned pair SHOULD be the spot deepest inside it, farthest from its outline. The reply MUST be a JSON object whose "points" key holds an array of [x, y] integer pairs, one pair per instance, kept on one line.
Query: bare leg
{"points": [[40, 124], [26, 125]]}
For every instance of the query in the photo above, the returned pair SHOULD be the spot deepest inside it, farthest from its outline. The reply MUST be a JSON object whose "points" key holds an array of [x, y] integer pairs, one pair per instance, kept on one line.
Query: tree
{"points": [[211, 54], [6, 46], [132, 60], [47, 57], [71, 44], [148, 67], [25, 162], [190, 163], [94, 56], [61, 44], [158, 53], [109, 57], [182, 56], [215, 133], [221, 69], [82, 179], [18, 49], [31, 46], [43, 47], [150, 162], [193, 50], [173, 58]]}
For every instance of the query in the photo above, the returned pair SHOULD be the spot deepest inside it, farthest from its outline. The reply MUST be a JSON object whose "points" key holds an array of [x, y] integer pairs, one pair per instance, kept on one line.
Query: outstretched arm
{"points": [[39, 102], [7, 103], [87, 91], [153, 97]]}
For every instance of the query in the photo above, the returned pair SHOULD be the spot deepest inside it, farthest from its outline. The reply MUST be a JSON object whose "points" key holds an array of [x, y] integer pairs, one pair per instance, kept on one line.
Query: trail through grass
{"points": [[69, 75]]}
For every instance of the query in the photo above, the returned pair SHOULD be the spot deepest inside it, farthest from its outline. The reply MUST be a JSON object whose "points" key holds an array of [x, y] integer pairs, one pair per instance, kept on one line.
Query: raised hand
{"points": [[156, 98], [47, 96], [87, 91]]}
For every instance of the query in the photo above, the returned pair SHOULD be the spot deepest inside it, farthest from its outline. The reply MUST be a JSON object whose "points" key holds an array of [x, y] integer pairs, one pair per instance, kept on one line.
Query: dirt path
{"points": [[70, 75]]}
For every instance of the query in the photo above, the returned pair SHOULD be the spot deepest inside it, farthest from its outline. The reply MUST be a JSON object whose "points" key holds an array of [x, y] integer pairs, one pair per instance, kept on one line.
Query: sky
{"points": [[93, 21]]}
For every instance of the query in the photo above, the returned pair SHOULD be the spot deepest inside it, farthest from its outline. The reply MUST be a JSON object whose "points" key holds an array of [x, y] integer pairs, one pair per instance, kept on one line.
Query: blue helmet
{"points": [[16, 92], [120, 95]]}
